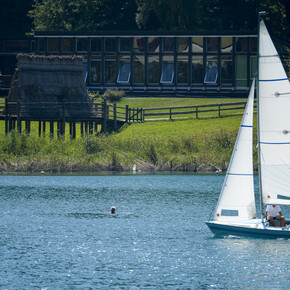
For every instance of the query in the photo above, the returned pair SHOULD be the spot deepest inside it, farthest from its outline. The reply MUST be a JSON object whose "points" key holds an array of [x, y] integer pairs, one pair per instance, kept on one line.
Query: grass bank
{"points": [[184, 145]]}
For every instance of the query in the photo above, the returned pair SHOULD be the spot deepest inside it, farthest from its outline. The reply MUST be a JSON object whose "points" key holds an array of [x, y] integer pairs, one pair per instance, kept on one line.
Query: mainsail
{"points": [[237, 201], [274, 123]]}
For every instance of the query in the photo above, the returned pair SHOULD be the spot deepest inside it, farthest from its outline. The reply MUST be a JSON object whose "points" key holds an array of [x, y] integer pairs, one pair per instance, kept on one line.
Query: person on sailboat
{"points": [[274, 212]]}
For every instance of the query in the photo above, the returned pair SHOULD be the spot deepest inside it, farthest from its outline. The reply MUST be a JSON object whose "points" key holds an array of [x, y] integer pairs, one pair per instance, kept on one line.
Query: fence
{"points": [[110, 116], [192, 111]]}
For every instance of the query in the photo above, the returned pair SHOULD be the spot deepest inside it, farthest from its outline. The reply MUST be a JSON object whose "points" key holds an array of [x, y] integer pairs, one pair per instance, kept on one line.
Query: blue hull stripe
{"points": [[240, 174], [247, 126], [268, 143], [273, 80]]}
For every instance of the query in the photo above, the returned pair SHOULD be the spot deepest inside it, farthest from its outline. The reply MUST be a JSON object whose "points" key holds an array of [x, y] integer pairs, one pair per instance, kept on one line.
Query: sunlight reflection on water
{"points": [[57, 232]]}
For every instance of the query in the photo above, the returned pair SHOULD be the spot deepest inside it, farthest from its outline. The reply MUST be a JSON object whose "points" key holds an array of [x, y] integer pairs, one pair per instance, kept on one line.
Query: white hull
{"points": [[253, 228]]}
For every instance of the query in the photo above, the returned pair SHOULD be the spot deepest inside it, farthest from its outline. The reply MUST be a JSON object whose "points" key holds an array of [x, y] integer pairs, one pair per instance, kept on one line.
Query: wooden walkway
{"points": [[91, 116]]}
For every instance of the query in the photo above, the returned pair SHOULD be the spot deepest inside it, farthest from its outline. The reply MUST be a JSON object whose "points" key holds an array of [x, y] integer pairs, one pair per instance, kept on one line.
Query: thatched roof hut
{"points": [[44, 83]]}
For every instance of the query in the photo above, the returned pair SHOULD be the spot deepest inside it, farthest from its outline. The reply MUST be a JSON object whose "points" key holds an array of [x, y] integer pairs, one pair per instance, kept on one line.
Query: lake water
{"points": [[56, 233]]}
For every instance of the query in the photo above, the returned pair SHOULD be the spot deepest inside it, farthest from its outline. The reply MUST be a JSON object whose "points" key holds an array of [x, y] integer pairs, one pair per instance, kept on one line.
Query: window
{"points": [[96, 44], [241, 71], [211, 73], [53, 44], [82, 44], [124, 70], [253, 66], [110, 70], [153, 69], [96, 70], [253, 44], [226, 69], [153, 44], [182, 69], [41, 44], [197, 44], [125, 44], [212, 44], [167, 75], [242, 44], [67, 45], [182, 44], [85, 70], [197, 69], [168, 44], [139, 69], [110, 44], [139, 44], [226, 44]]}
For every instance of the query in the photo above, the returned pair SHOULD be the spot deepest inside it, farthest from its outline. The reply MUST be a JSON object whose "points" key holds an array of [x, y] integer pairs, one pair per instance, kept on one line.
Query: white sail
{"points": [[237, 201], [274, 123]]}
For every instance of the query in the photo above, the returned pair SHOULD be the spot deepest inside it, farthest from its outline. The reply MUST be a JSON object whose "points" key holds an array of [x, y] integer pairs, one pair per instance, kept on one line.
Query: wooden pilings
{"points": [[99, 117]]}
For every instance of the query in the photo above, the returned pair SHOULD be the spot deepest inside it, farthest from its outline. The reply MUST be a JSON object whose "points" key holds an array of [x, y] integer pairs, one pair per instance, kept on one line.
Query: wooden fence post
{"points": [[104, 125], [127, 114], [115, 116], [196, 111], [219, 110], [170, 112]]}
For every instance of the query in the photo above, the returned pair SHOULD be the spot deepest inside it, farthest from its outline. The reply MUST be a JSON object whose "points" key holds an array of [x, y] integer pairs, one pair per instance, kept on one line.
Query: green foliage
{"points": [[113, 95], [83, 15]]}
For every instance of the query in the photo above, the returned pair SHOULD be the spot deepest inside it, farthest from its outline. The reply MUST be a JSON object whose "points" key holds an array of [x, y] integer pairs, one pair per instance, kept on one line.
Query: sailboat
{"points": [[235, 212]]}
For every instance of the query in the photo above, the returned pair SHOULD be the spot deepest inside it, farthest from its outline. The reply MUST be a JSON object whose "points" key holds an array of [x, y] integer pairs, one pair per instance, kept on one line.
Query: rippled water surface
{"points": [[56, 232]]}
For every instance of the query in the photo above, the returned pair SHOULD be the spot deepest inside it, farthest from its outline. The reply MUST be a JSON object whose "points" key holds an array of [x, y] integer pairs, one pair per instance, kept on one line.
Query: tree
{"points": [[169, 14], [68, 15]]}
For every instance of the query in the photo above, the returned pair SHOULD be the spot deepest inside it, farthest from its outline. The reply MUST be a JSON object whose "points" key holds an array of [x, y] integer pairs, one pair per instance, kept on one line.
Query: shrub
{"points": [[113, 95]]}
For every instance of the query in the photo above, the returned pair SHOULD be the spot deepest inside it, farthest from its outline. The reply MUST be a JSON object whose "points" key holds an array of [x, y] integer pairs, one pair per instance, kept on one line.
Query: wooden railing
{"points": [[192, 111]]}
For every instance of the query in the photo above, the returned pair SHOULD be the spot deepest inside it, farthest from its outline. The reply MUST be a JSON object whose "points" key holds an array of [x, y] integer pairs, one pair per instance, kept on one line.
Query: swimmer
{"points": [[113, 210]]}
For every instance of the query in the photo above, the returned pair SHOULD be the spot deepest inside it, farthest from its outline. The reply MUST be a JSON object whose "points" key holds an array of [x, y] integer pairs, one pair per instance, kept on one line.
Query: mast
{"points": [[258, 118]]}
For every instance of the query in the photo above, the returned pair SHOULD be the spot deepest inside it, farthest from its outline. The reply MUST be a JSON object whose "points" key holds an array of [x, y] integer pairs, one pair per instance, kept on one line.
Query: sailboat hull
{"points": [[255, 229]]}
